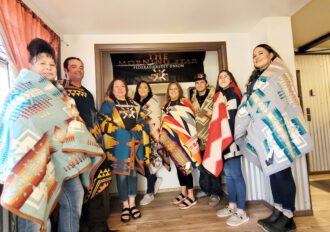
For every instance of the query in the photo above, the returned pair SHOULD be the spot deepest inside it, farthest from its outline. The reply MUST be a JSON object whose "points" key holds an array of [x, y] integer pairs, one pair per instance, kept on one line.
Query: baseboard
{"points": [[298, 213], [319, 173]]}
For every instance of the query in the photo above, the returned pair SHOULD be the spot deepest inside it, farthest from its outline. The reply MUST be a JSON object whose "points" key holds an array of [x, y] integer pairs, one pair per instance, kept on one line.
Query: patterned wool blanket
{"points": [[270, 128], [233, 97], [179, 136], [203, 115], [124, 148], [86, 107], [220, 136], [152, 115], [43, 143]]}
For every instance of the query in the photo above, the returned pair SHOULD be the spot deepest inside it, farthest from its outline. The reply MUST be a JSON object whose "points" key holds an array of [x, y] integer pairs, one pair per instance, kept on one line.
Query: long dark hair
{"points": [[256, 72], [232, 79], [110, 89], [137, 96], [168, 90]]}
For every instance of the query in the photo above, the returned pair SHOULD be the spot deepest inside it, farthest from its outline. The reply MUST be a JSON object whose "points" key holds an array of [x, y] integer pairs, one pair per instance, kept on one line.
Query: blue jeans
{"points": [[235, 182], [70, 202], [126, 185], [24, 225]]}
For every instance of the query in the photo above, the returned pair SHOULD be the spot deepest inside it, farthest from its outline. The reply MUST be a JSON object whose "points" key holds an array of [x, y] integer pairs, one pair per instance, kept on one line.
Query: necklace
{"points": [[168, 107], [125, 110]]}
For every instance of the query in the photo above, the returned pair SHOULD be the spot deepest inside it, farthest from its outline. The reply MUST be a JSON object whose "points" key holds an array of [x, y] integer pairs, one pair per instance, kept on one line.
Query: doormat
{"points": [[321, 184]]}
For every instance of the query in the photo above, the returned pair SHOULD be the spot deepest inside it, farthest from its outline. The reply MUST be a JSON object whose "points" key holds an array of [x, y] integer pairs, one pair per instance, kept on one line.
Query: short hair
{"points": [[109, 92], [38, 46], [168, 90], [66, 61], [137, 96]]}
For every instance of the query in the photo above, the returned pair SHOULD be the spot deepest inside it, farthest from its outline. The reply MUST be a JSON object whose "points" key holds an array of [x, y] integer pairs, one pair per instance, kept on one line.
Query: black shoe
{"points": [[290, 225], [271, 218], [282, 224]]}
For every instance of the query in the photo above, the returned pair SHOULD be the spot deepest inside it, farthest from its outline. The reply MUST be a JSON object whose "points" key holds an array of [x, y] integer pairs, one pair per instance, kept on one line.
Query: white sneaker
{"points": [[236, 219], [147, 199], [202, 194], [158, 183], [225, 212], [214, 200]]}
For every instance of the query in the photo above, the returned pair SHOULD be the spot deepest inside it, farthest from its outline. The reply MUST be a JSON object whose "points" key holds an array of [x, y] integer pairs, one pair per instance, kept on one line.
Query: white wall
{"points": [[275, 31], [83, 46]]}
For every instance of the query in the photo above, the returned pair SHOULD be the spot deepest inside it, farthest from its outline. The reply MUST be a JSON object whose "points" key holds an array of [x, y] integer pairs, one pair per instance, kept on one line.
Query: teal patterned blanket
{"points": [[270, 128], [43, 143]]}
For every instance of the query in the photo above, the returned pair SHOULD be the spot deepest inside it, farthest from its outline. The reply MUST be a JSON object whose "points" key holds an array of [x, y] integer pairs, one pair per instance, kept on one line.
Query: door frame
{"points": [[101, 49]]}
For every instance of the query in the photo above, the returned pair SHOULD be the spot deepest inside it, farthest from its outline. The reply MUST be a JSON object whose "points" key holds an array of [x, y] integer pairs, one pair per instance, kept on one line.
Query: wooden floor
{"points": [[160, 215]]}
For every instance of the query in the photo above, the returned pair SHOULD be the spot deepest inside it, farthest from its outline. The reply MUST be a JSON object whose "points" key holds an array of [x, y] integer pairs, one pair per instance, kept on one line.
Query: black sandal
{"points": [[179, 199], [127, 214], [187, 203], [134, 214]]}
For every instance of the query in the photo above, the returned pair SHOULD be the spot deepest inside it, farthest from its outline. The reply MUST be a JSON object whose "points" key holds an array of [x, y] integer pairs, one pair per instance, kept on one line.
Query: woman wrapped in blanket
{"points": [[124, 140], [179, 139], [227, 99], [271, 132], [45, 146], [151, 116]]}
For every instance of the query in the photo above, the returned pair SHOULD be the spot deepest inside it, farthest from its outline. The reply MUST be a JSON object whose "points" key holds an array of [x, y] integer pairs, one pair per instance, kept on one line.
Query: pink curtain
{"points": [[20, 25]]}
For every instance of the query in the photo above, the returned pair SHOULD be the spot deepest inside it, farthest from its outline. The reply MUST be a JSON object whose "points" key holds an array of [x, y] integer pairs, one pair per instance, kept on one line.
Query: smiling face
{"points": [[143, 90], [173, 92], [75, 71], [224, 80], [119, 90], [44, 65], [262, 58], [200, 86]]}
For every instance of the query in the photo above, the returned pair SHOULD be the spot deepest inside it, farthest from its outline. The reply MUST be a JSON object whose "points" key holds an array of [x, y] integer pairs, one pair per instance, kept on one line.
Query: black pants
{"points": [[209, 183], [185, 180], [283, 189], [95, 213], [151, 179]]}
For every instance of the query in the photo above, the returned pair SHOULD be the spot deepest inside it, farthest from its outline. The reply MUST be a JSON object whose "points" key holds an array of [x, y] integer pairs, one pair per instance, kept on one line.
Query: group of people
{"points": [[56, 149]]}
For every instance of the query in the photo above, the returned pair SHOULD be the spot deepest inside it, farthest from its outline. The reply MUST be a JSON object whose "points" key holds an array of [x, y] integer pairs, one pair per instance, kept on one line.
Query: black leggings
{"points": [[283, 189], [185, 180]]}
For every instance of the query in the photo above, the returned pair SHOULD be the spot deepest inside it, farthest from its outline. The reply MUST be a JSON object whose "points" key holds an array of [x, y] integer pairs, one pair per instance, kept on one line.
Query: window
{"points": [[5, 73], [7, 220]]}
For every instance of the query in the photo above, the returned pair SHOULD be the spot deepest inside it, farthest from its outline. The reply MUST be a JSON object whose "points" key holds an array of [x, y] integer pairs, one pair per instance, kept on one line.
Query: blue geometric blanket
{"points": [[270, 127]]}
